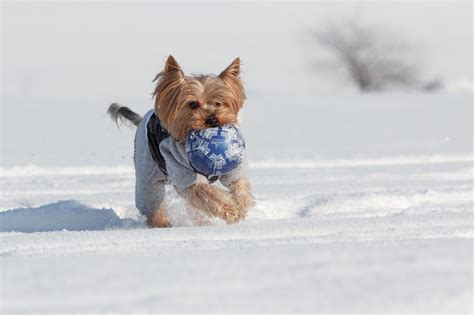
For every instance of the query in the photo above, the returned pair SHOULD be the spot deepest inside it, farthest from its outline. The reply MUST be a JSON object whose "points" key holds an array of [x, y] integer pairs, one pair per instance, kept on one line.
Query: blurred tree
{"points": [[373, 58]]}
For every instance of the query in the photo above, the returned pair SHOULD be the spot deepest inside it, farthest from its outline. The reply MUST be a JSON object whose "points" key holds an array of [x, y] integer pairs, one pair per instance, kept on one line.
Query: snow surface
{"points": [[364, 202], [375, 235]]}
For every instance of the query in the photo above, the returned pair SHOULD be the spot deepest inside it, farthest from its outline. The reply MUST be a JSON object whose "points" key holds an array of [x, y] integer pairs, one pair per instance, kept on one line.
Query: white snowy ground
{"points": [[391, 235], [363, 233]]}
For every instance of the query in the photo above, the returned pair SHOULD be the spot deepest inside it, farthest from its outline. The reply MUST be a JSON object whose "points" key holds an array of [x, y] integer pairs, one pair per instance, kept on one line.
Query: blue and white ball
{"points": [[215, 151]]}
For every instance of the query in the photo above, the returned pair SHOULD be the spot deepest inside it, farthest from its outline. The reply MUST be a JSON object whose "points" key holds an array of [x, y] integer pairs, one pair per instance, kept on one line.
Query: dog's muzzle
{"points": [[211, 121]]}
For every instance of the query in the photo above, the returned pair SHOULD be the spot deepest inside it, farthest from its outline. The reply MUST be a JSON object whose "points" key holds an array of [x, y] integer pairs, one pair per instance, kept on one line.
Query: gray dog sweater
{"points": [[150, 179]]}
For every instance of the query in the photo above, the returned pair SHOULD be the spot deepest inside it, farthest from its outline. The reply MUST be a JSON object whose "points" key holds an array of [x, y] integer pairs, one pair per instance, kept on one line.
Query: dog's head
{"points": [[184, 103]]}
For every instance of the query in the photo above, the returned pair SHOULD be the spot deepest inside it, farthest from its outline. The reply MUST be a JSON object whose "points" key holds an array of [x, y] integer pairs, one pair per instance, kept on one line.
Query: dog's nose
{"points": [[211, 121]]}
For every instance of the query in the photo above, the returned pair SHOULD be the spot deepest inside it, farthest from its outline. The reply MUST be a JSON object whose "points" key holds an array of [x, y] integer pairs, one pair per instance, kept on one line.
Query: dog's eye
{"points": [[218, 103], [194, 105]]}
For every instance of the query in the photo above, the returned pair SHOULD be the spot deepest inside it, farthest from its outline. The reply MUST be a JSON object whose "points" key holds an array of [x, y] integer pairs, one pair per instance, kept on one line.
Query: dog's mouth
{"points": [[212, 122]]}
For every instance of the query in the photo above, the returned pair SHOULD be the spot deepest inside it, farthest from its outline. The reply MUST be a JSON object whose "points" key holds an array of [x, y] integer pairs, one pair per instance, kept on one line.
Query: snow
{"points": [[66, 215], [242, 276], [364, 202], [389, 234]]}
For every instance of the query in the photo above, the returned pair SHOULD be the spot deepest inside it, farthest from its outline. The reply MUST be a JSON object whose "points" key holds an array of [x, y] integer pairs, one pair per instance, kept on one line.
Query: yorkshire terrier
{"points": [[184, 103]]}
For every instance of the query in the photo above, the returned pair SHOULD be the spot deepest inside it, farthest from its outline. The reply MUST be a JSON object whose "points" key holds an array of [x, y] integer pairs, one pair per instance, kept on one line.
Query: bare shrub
{"points": [[372, 58]]}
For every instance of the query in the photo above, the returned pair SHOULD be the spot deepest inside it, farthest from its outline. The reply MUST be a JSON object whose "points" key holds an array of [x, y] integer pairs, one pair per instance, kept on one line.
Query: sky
{"points": [[63, 63]]}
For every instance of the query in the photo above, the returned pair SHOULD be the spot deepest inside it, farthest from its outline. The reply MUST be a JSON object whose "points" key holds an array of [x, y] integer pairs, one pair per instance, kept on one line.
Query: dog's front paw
{"points": [[242, 195], [159, 219], [214, 202], [230, 213]]}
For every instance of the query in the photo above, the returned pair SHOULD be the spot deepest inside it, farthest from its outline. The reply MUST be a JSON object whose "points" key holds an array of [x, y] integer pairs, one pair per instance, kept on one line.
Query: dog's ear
{"points": [[172, 68], [233, 70], [231, 76]]}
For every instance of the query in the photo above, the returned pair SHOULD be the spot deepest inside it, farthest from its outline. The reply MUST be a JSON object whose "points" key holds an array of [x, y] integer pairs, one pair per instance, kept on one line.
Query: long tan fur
{"points": [[214, 202], [222, 96], [183, 103], [242, 195], [158, 219]]}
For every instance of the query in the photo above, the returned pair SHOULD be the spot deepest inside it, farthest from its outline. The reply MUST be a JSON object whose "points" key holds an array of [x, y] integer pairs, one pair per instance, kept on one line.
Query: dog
{"points": [[184, 103]]}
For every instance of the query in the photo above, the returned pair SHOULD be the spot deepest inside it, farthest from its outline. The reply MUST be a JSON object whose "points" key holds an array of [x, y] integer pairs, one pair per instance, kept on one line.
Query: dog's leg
{"points": [[213, 201], [242, 195], [159, 219]]}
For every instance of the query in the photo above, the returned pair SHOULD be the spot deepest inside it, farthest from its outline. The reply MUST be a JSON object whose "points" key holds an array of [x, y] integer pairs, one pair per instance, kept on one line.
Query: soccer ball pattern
{"points": [[215, 151]]}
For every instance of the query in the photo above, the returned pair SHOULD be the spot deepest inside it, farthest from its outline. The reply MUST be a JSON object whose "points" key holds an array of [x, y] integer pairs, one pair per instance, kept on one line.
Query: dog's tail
{"points": [[123, 114]]}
